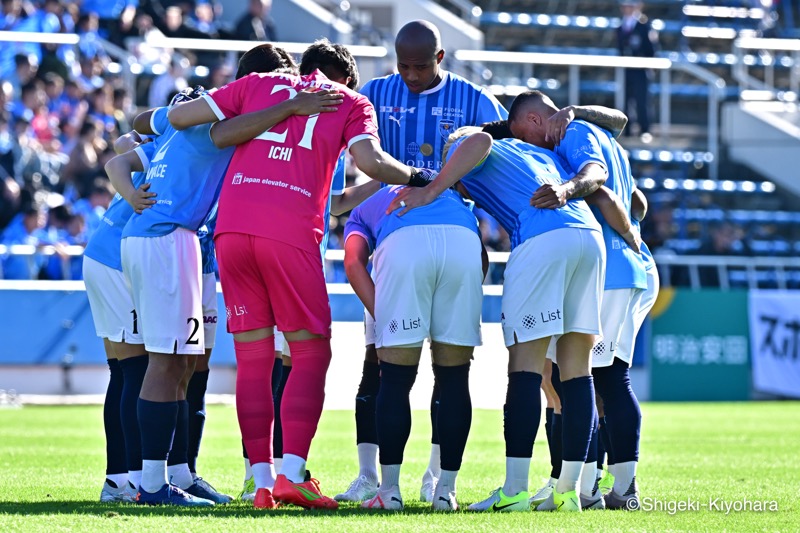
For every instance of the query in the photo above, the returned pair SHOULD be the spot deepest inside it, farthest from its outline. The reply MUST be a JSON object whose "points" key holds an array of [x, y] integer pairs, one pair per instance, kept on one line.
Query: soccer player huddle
{"points": [[247, 175]]}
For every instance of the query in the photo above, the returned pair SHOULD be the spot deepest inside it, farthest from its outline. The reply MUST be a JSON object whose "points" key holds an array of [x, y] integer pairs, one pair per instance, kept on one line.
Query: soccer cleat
{"points": [[248, 493], [543, 493], [428, 488], [561, 502], [203, 489], [171, 495], [111, 493], [499, 502], [305, 494], [361, 489], [129, 493], [389, 499], [595, 502], [607, 482], [628, 501], [444, 500], [264, 500]]}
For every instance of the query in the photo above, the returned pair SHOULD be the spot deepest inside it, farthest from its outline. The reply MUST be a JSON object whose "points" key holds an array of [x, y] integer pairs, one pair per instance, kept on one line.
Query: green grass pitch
{"points": [[52, 461]]}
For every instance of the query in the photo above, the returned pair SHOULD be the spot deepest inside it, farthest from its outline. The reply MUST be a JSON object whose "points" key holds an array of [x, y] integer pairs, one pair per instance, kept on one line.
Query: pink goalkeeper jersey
{"points": [[277, 185]]}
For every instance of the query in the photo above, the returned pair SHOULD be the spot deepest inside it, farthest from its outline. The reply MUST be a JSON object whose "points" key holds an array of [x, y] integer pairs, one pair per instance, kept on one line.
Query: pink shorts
{"points": [[267, 283]]}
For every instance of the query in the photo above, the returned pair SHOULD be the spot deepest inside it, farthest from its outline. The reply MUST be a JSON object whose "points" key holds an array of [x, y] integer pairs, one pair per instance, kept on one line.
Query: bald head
{"points": [[528, 116], [418, 47]]}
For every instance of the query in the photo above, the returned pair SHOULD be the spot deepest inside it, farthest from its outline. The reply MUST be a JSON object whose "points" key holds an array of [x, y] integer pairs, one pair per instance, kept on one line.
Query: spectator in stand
{"points": [[115, 17], [123, 108], [171, 82], [85, 159], [636, 38], [94, 206], [256, 24], [89, 79], [25, 67], [26, 228]]}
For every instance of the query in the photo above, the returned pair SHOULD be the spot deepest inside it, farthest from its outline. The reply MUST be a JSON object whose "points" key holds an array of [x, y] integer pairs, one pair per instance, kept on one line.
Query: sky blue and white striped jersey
{"points": [[507, 178], [104, 245], [586, 143], [413, 128], [185, 174], [371, 221]]}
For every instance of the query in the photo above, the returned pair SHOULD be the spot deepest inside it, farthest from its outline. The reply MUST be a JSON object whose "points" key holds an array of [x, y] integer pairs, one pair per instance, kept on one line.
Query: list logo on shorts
{"points": [[412, 324], [228, 313], [551, 315], [528, 321], [237, 178], [393, 326]]}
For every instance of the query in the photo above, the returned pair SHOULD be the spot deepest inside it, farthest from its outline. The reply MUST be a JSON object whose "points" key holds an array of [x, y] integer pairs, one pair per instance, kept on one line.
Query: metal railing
{"points": [[574, 63], [767, 47]]}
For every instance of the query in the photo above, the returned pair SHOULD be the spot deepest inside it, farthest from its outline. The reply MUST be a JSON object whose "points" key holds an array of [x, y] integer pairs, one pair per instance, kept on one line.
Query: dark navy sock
{"points": [[179, 453], [455, 413], [277, 431], [133, 371], [435, 406], [548, 430], [621, 407], [116, 460], [601, 445], [591, 453], [577, 412], [157, 421], [277, 375], [557, 442], [196, 396], [393, 411], [603, 433], [522, 412], [367, 394], [244, 451]]}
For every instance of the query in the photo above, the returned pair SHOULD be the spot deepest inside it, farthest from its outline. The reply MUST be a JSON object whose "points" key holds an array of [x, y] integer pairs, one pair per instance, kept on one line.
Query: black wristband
{"points": [[418, 179]]}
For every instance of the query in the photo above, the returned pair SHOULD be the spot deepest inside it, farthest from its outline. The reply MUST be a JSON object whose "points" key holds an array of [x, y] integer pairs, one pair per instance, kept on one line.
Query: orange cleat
{"points": [[264, 500], [306, 494]]}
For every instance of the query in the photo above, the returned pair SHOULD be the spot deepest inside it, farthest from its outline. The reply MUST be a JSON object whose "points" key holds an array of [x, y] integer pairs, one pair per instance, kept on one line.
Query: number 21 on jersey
{"points": [[280, 138]]}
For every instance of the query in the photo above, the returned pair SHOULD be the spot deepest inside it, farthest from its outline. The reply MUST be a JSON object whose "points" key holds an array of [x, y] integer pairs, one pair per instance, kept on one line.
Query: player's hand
{"points": [[312, 102], [634, 240], [422, 177], [549, 197], [142, 199], [557, 125], [409, 198]]}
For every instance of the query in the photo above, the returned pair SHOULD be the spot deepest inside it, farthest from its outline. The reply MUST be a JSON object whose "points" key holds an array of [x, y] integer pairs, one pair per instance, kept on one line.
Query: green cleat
{"points": [[567, 502], [607, 482], [499, 502], [248, 493]]}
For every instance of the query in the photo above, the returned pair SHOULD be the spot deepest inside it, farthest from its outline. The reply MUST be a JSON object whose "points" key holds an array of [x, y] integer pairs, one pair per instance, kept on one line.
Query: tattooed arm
{"points": [[607, 118]]}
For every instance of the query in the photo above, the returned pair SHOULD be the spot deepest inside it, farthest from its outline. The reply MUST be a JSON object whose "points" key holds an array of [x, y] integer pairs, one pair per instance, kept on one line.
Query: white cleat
{"points": [[543, 493], [428, 488], [129, 493], [110, 493], [444, 499], [361, 489], [499, 502], [248, 493], [389, 500], [594, 502]]}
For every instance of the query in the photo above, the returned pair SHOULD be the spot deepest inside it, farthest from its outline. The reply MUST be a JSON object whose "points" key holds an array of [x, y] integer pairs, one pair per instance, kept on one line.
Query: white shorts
{"points": [[281, 344], [643, 302], [165, 279], [112, 307], [617, 310], [210, 309], [369, 329], [428, 285], [554, 285]]}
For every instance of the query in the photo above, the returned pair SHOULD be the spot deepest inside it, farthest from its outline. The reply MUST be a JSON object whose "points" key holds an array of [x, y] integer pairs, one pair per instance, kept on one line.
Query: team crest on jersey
{"points": [[412, 148], [446, 127]]}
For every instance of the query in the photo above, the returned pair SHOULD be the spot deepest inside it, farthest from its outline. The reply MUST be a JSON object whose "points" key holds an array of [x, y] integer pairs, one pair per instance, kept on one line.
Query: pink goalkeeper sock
{"points": [[254, 406], [304, 394]]}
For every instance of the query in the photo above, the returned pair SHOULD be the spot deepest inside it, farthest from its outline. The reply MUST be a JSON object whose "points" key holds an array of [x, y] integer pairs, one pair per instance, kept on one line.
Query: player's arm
{"points": [[127, 142], [119, 170], [356, 257], [353, 196], [591, 177], [613, 211], [466, 157], [142, 122], [378, 165], [638, 205], [607, 118]]}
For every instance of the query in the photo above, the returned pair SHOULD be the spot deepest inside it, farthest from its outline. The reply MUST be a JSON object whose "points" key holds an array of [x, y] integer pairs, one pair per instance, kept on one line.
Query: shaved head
{"points": [[528, 116], [419, 51]]}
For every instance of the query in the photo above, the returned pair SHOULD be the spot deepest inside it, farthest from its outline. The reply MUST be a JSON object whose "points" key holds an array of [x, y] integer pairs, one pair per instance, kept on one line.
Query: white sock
{"points": [[135, 478], [368, 461], [248, 470], [294, 468], [118, 479], [612, 469], [552, 481], [447, 480], [279, 464], [570, 476], [390, 476], [588, 478], [434, 463], [624, 477], [180, 476], [154, 475], [517, 469], [264, 475]]}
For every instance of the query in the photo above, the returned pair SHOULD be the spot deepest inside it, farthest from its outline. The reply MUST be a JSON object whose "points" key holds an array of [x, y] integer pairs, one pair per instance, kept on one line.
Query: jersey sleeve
{"points": [[579, 147], [228, 100], [489, 109], [357, 225], [477, 167], [145, 152], [159, 121], [339, 177], [361, 122]]}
